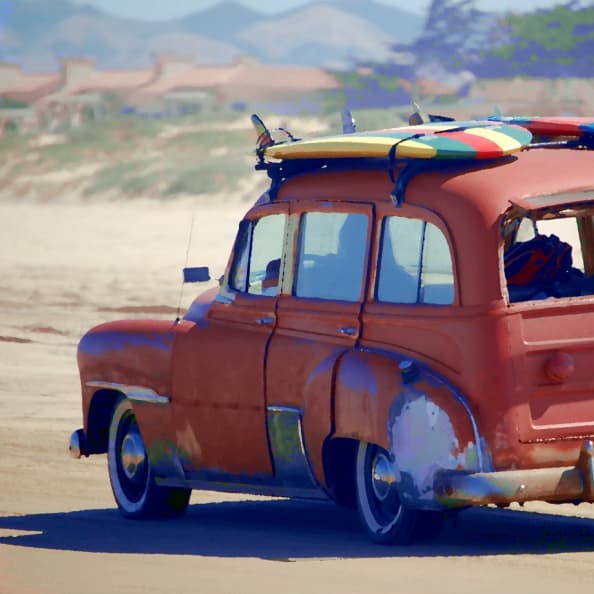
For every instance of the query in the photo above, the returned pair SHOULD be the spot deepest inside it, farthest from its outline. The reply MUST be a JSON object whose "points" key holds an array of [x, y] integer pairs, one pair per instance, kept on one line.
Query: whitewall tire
{"points": [[132, 483], [385, 518]]}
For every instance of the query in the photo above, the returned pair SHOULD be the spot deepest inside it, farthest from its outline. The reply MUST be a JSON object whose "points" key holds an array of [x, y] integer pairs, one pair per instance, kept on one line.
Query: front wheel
{"points": [[384, 517], [132, 482]]}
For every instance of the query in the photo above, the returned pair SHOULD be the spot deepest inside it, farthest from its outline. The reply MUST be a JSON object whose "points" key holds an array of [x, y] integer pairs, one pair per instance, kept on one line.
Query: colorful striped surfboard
{"points": [[551, 126], [444, 140]]}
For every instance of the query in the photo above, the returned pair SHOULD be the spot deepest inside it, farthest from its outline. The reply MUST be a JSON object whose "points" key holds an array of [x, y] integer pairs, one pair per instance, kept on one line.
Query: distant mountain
{"points": [[336, 33], [332, 33], [398, 24], [224, 21], [318, 32], [33, 18], [119, 43]]}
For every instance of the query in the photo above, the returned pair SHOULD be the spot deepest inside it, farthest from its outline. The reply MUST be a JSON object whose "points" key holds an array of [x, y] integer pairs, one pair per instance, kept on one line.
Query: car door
{"points": [[318, 315], [218, 391]]}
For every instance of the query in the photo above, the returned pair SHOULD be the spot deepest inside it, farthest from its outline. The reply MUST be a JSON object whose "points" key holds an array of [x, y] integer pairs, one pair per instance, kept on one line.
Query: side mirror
{"points": [[197, 274]]}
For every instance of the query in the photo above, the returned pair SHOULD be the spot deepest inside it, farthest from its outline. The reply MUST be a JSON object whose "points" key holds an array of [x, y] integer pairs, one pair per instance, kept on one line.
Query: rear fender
{"points": [[417, 416]]}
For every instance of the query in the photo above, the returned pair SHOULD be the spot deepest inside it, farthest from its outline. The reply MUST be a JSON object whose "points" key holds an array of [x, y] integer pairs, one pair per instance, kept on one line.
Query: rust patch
{"points": [[15, 340], [140, 309], [44, 330]]}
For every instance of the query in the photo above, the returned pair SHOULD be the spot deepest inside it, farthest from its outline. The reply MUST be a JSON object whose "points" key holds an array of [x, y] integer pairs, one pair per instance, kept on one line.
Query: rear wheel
{"points": [[384, 517], [132, 482]]}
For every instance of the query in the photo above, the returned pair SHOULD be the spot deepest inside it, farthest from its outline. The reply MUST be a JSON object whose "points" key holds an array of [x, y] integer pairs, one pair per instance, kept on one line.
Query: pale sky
{"points": [[158, 9]]}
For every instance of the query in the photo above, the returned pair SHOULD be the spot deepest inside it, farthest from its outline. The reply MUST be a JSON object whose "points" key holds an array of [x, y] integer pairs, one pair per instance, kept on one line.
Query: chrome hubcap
{"points": [[383, 478], [133, 455]]}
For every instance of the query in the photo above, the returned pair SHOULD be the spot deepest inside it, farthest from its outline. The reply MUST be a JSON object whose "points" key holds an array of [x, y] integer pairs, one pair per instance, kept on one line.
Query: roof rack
{"points": [[401, 171], [585, 142], [407, 166], [551, 132], [555, 132]]}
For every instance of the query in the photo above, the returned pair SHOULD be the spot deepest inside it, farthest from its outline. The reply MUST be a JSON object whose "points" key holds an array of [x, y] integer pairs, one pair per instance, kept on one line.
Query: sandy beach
{"points": [[69, 264]]}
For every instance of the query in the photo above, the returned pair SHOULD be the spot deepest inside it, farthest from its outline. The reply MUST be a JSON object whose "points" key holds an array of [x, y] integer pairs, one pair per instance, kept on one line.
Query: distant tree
{"points": [[552, 43], [460, 43], [456, 33], [547, 42]]}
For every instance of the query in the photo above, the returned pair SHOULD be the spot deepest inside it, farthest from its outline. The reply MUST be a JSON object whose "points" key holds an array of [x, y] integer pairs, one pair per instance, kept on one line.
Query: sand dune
{"points": [[68, 265]]}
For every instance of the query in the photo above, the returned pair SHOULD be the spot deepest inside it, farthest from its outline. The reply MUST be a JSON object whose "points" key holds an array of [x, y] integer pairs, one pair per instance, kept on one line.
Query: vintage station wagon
{"points": [[398, 338]]}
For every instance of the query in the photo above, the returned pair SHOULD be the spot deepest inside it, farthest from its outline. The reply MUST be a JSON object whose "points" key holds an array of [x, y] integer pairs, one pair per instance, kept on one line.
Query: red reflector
{"points": [[560, 366]]}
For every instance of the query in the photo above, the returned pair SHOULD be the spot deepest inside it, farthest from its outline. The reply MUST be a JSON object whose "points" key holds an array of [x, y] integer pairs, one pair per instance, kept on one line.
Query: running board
{"points": [[248, 488]]}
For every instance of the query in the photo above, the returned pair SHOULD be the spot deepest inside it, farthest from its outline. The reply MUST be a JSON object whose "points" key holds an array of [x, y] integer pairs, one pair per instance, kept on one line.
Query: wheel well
{"points": [[99, 419], [340, 456]]}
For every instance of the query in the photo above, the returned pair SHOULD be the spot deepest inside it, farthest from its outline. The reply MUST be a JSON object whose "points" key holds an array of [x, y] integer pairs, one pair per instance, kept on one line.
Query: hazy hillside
{"points": [[399, 24], [224, 21], [126, 157], [38, 33], [339, 36], [33, 18]]}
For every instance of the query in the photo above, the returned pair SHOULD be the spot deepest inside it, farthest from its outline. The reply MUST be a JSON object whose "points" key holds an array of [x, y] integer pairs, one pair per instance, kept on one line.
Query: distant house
{"points": [[428, 89], [18, 91], [242, 83], [25, 88], [174, 87], [284, 89], [526, 95], [84, 91]]}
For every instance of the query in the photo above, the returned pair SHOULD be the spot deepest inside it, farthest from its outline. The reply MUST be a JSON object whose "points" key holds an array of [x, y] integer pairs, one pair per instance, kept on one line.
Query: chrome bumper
{"points": [[78, 444], [572, 483]]}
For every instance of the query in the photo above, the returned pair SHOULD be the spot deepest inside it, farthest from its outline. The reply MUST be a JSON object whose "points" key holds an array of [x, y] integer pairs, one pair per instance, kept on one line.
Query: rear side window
{"points": [[567, 230], [415, 264], [258, 254], [331, 257], [548, 256]]}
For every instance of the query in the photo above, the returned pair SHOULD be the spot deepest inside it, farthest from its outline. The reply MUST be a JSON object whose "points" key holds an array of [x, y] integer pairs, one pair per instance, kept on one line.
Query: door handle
{"points": [[265, 321], [347, 330]]}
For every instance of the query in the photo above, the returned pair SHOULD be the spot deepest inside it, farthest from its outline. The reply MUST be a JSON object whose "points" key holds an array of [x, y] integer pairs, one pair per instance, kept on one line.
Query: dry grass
{"points": [[130, 157]]}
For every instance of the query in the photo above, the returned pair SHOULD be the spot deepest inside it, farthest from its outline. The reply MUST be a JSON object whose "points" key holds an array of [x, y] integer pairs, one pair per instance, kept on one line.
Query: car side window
{"points": [[415, 265], [331, 257], [239, 268], [437, 273], [258, 255]]}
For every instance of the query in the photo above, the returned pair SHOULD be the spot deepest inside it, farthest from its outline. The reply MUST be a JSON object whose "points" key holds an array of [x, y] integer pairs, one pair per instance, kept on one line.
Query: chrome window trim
{"points": [[134, 393]]}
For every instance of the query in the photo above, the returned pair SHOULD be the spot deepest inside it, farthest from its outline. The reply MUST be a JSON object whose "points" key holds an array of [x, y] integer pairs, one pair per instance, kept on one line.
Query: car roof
{"points": [[533, 173], [487, 186]]}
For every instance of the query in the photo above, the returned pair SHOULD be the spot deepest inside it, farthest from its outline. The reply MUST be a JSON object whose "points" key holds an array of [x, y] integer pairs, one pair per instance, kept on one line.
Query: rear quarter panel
{"points": [[426, 425]]}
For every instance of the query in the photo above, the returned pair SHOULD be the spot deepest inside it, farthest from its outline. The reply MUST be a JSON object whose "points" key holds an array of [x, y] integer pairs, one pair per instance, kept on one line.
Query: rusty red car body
{"points": [[400, 406]]}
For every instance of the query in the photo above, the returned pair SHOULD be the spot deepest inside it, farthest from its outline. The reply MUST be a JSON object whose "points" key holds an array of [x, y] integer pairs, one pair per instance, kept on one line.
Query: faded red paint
{"points": [[524, 371]]}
